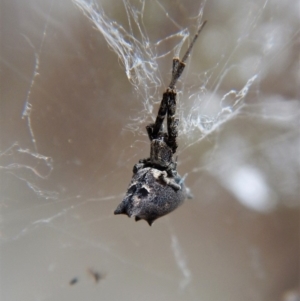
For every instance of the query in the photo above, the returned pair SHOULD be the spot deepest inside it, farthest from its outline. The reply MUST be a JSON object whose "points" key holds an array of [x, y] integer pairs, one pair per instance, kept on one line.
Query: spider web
{"points": [[80, 80]]}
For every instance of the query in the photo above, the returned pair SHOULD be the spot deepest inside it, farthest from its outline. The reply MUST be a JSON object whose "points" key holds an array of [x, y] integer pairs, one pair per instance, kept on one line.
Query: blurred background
{"points": [[79, 83]]}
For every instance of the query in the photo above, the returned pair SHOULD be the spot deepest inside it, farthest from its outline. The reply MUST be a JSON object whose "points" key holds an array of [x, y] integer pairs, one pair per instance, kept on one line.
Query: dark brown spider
{"points": [[156, 188]]}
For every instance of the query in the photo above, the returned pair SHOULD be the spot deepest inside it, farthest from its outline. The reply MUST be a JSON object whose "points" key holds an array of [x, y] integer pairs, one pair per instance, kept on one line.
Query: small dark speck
{"points": [[96, 275], [73, 281]]}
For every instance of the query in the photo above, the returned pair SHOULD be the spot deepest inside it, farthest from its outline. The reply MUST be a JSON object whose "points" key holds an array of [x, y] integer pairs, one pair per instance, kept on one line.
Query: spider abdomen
{"points": [[150, 196]]}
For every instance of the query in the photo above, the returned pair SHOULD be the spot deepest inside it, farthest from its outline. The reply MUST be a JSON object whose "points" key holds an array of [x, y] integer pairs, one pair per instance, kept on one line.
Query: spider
{"points": [[156, 188]]}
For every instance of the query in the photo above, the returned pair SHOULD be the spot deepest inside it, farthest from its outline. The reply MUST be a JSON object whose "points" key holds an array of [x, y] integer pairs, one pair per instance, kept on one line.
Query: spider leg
{"points": [[167, 106], [142, 164], [172, 122], [154, 129], [178, 67], [168, 103]]}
